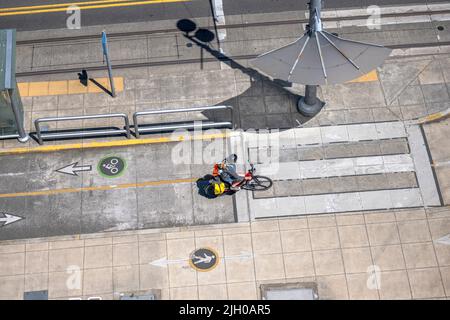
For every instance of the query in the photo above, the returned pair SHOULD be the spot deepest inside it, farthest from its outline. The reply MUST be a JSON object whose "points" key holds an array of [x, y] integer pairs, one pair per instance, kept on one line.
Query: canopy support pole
{"points": [[310, 105]]}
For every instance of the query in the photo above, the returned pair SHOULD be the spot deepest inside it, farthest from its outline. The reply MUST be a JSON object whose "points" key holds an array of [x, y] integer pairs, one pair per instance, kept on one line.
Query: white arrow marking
{"points": [[163, 262], [444, 240], [243, 255], [72, 169], [9, 218]]}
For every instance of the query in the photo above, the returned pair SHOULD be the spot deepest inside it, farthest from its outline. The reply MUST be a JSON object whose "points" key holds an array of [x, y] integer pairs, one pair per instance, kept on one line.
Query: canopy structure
{"points": [[11, 109], [319, 58]]}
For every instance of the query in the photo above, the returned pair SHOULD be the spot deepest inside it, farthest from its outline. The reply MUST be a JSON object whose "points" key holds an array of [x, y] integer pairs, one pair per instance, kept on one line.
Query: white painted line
{"points": [[335, 202], [444, 240], [325, 134], [337, 167], [422, 165], [220, 18]]}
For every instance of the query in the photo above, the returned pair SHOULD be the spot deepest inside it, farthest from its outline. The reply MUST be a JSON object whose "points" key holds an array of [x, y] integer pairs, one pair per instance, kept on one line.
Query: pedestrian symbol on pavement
{"points": [[204, 259], [111, 166]]}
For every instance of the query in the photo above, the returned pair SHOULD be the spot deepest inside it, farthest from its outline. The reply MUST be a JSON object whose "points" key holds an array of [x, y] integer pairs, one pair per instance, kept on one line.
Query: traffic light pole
{"points": [[309, 105]]}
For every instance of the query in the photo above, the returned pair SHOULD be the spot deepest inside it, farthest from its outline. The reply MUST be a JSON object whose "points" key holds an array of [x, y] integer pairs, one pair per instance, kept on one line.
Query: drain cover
{"points": [[35, 295]]}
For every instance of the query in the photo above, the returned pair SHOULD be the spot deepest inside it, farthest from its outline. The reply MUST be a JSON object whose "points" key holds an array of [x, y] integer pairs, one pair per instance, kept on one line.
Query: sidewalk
{"points": [[362, 148], [336, 251]]}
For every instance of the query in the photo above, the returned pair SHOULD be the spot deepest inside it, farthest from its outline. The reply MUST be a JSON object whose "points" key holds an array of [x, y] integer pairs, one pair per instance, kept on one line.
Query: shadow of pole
{"points": [[101, 86], [201, 39], [215, 20]]}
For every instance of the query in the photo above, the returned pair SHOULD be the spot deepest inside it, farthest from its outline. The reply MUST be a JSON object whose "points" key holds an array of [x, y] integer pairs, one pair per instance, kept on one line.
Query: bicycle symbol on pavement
{"points": [[111, 166]]}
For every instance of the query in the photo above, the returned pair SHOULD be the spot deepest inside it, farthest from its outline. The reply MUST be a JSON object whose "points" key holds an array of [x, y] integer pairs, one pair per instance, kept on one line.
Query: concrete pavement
{"points": [[162, 11], [365, 141], [366, 255]]}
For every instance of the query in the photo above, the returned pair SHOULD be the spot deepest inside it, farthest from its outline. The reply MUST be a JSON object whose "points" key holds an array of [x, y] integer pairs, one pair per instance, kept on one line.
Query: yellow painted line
{"points": [[368, 77], [51, 88], [23, 88], [58, 87], [88, 7], [36, 89], [98, 188], [434, 117], [111, 144], [55, 5]]}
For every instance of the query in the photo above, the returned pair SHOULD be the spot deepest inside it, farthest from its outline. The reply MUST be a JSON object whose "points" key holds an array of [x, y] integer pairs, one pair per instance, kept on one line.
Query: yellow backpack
{"points": [[219, 188]]}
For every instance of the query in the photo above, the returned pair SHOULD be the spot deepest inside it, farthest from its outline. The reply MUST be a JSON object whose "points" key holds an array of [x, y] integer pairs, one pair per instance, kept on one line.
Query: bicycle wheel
{"points": [[259, 183]]}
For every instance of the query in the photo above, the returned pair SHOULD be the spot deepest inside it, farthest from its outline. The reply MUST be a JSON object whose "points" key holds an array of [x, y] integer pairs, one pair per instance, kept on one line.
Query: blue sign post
{"points": [[108, 62]]}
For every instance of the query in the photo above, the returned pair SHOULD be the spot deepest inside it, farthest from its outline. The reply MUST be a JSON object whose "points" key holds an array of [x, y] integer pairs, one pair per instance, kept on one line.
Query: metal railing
{"points": [[9, 136], [147, 128], [80, 133]]}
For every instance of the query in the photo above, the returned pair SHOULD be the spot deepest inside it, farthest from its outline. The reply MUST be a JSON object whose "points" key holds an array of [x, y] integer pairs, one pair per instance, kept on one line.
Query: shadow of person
{"points": [[202, 185]]}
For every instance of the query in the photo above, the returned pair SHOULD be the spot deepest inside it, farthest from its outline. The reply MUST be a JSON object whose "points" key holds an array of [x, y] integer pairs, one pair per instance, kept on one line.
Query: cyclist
{"points": [[228, 172]]}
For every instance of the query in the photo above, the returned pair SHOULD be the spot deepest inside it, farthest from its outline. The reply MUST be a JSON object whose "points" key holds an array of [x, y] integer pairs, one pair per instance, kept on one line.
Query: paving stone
{"points": [[310, 153], [324, 238], [299, 264], [361, 132], [288, 188], [266, 193], [402, 180], [334, 151], [242, 291], [269, 267], [126, 278], [388, 257], [387, 114], [413, 111], [435, 93], [315, 186], [288, 155], [383, 234], [419, 255], [253, 122], [358, 116], [426, 283], [12, 264], [295, 240], [279, 121], [366, 148], [332, 287], [331, 118], [343, 184], [435, 107], [357, 260], [277, 104], [353, 236], [411, 95], [358, 289], [394, 146], [251, 105], [328, 262], [394, 285], [372, 182], [432, 74]]}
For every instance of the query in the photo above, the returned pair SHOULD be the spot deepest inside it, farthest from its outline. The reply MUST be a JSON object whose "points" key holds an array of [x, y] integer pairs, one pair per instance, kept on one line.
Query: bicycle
{"points": [[250, 182]]}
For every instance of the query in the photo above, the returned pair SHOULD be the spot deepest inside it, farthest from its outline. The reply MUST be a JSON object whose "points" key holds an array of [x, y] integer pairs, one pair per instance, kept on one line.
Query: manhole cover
{"points": [[111, 166], [204, 259]]}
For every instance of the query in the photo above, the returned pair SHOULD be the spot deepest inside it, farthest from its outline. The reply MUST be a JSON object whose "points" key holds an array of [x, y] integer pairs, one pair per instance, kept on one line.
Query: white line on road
{"points": [[220, 18]]}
